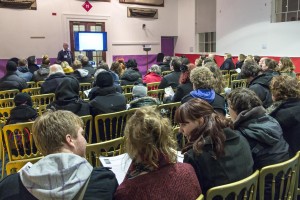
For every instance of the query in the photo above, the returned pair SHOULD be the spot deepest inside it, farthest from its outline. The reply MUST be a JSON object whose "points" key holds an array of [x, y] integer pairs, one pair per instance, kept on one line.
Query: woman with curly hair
{"points": [[286, 109], [154, 172], [286, 67], [218, 154]]}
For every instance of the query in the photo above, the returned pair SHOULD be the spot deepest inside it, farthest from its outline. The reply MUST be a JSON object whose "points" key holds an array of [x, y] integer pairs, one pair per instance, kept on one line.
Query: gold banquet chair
{"points": [[39, 83], [128, 97], [245, 188], [85, 86], [32, 91], [158, 94], [5, 94], [201, 197], [7, 103], [238, 84], [42, 99], [31, 84], [5, 114], [111, 125], [168, 110], [110, 148], [153, 85], [88, 127], [127, 88], [282, 178], [164, 73], [15, 166], [226, 80]]}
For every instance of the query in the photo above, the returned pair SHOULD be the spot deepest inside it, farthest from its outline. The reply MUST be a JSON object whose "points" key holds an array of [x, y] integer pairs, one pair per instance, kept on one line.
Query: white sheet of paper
{"points": [[86, 92]]}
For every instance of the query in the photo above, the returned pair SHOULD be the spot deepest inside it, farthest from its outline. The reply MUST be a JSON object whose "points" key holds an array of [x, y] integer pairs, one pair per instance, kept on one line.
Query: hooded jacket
{"points": [[130, 77], [12, 81], [67, 98], [264, 135], [24, 73], [171, 79], [82, 75], [143, 101], [227, 64], [59, 176], [209, 95], [51, 83], [41, 74], [260, 85], [287, 113], [22, 113]]}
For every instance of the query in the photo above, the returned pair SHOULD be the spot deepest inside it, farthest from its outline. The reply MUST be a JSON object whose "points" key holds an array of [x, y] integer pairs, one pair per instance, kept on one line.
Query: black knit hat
{"points": [[22, 98], [104, 79], [11, 66]]}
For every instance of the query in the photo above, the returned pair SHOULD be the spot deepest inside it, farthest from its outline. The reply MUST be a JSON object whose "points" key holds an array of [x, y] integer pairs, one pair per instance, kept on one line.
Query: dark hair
{"points": [[185, 74], [208, 60], [185, 61], [31, 60], [250, 69], [103, 65], [160, 57], [176, 63], [11, 66], [256, 59], [131, 63], [272, 64], [241, 99], [213, 125]]}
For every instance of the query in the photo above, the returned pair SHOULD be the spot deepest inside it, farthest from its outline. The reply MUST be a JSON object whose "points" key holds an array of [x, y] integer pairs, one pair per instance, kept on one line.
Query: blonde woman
{"points": [[154, 172]]}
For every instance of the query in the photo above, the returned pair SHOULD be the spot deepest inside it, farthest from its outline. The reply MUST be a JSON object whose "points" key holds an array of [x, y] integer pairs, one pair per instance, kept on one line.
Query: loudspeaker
{"points": [[146, 47]]}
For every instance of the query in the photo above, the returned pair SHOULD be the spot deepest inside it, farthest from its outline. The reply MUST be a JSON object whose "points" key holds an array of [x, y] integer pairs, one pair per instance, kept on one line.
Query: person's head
{"points": [[270, 65], [122, 63], [261, 62], [208, 60], [131, 63], [241, 57], [167, 59], [202, 78], [23, 99], [241, 99], [115, 67], [14, 59], [211, 55], [68, 89], [198, 62], [148, 136], [77, 65], [45, 60], [139, 91], [66, 67], [256, 59], [84, 60], [11, 66], [227, 55], [198, 122], [31, 60], [55, 69], [175, 64], [284, 87], [65, 46], [185, 73], [219, 80], [160, 57], [155, 68], [59, 131], [103, 65], [286, 65], [250, 70], [104, 79], [22, 62]]}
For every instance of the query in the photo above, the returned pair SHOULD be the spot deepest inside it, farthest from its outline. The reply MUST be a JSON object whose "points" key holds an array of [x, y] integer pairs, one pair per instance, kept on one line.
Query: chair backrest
{"points": [[166, 73], [111, 125], [158, 94], [5, 94], [31, 84], [7, 103], [153, 86], [39, 83], [168, 110], [232, 71], [19, 141], [85, 86], [15, 166], [224, 72], [278, 181], [245, 189], [226, 80], [201, 197], [127, 88], [233, 77], [112, 147], [88, 127], [83, 96], [128, 97], [32, 91], [238, 83], [5, 114], [42, 99]]}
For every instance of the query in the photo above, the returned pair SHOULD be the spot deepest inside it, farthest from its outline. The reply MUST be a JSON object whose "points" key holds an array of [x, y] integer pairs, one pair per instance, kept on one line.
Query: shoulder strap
{"points": [[81, 192]]}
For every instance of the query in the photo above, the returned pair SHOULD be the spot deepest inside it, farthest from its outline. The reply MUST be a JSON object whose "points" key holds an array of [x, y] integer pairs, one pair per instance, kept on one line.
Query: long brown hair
{"points": [[213, 125]]}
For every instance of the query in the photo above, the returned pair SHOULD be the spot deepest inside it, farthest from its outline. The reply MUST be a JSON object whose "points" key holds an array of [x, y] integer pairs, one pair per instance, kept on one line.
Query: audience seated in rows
{"points": [[132, 74], [43, 72], [67, 98], [23, 112], [172, 79], [140, 98], [63, 172], [104, 97], [87, 66], [32, 66], [54, 79], [262, 131], [165, 65], [286, 109], [204, 82], [154, 75], [258, 82], [218, 154], [23, 70], [11, 80], [82, 75], [154, 172], [228, 63]]}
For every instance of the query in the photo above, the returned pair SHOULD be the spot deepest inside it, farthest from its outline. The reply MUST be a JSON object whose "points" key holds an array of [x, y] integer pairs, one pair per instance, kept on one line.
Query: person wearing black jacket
{"points": [[228, 63], [65, 54], [56, 76], [172, 79]]}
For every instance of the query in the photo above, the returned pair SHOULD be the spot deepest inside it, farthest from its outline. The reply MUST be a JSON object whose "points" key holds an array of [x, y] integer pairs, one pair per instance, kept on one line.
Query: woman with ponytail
{"points": [[218, 154]]}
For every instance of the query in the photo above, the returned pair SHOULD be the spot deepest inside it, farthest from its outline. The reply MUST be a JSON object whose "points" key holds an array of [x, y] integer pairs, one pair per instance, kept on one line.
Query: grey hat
{"points": [[139, 91]]}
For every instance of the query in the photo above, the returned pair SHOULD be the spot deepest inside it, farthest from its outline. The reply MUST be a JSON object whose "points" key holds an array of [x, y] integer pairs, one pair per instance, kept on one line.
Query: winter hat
{"points": [[131, 63], [104, 79], [11, 66], [22, 98], [139, 91]]}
